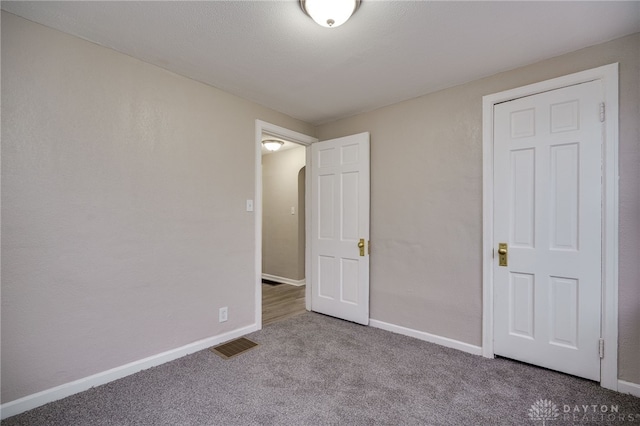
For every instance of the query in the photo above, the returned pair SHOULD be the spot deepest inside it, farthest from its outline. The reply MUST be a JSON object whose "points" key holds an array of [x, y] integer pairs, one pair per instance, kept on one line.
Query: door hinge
{"points": [[601, 348], [602, 112]]}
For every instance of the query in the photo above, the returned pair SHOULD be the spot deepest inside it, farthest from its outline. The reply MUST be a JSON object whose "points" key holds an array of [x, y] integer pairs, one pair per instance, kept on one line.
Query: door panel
{"points": [[547, 186], [340, 182], [521, 292], [522, 198]]}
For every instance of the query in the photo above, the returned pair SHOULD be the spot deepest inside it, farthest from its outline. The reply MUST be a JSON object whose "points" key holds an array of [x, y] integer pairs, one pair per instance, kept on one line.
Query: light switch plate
{"points": [[249, 205]]}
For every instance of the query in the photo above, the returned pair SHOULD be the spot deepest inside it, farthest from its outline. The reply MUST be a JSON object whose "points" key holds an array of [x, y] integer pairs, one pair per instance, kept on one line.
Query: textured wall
{"points": [[123, 208], [123, 222], [426, 200], [281, 246]]}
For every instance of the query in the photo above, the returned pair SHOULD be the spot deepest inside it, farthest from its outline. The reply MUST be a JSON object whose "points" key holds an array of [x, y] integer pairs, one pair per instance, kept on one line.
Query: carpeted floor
{"points": [[316, 370]]}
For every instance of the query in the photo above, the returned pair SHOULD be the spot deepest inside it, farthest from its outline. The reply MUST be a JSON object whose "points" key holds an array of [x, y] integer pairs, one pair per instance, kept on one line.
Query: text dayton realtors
{"points": [[594, 412]]}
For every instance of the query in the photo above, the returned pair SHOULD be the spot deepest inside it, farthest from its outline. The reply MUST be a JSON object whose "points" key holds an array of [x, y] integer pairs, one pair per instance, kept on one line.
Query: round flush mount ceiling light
{"points": [[330, 13], [272, 144]]}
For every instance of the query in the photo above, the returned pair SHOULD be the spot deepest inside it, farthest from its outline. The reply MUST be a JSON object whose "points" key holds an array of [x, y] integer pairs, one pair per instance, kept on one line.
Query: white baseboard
{"points": [[432, 338], [44, 397], [623, 386], [283, 280], [628, 387]]}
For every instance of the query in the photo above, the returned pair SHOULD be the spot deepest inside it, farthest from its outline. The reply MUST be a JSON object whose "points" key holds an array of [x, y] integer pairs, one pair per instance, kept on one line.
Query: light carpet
{"points": [[317, 370]]}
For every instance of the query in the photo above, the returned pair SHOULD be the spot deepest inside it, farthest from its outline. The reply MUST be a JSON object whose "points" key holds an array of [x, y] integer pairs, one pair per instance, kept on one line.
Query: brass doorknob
{"points": [[361, 246], [502, 254]]}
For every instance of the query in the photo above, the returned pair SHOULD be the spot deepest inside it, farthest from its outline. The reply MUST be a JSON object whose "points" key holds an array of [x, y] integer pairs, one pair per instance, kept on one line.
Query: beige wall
{"points": [[123, 208], [123, 222], [281, 243], [426, 200]]}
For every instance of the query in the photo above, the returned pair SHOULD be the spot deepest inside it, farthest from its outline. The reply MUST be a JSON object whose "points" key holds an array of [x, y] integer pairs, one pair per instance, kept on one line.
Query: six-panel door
{"points": [[547, 189], [340, 206]]}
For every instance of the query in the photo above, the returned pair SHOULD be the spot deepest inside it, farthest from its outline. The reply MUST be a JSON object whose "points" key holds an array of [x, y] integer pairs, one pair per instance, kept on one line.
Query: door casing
{"points": [[608, 74], [301, 139]]}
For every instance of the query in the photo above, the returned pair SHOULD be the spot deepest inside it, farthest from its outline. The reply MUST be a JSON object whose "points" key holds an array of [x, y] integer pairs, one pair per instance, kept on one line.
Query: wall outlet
{"points": [[223, 314]]}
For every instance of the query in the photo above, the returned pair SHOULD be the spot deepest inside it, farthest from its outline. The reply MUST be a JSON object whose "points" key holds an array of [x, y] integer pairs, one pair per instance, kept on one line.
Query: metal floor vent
{"points": [[233, 348]]}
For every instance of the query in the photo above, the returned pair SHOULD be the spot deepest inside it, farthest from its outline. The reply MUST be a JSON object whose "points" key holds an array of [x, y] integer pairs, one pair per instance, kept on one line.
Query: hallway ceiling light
{"points": [[330, 13], [272, 144]]}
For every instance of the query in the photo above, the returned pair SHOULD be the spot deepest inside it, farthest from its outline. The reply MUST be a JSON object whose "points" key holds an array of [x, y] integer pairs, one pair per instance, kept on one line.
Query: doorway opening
{"points": [[298, 280], [283, 231]]}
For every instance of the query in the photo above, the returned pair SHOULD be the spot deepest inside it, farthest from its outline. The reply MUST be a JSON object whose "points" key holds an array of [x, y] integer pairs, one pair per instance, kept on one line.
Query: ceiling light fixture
{"points": [[272, 144], [330, 13]]}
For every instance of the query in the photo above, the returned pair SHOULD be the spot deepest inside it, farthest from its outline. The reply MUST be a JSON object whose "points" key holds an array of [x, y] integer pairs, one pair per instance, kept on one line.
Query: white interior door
{"points": [[340, 227], [547, 209]]}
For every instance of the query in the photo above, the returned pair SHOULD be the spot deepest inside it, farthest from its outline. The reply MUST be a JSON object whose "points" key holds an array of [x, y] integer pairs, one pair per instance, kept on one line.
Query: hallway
{"points": [[281, 301]]}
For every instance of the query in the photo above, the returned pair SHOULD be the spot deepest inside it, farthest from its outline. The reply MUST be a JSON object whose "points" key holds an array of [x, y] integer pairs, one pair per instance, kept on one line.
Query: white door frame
{"points": [[301, 139], [608, 74]]}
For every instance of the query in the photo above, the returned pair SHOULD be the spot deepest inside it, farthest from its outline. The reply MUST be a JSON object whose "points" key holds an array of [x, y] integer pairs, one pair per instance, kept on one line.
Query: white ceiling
{"points": [[270, 52]]}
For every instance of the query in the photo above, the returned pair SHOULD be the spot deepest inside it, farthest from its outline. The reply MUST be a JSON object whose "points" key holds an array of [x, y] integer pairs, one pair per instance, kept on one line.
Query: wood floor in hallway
{"points": [[281, 301]]}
